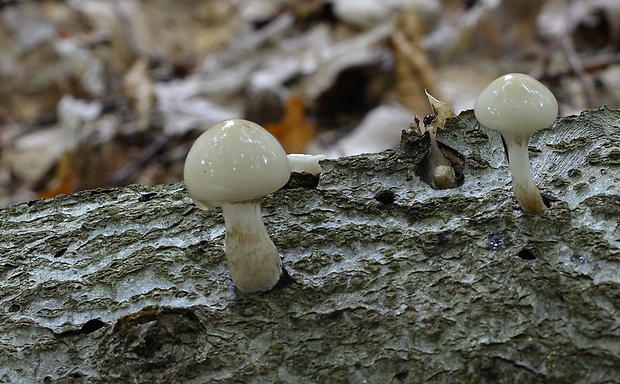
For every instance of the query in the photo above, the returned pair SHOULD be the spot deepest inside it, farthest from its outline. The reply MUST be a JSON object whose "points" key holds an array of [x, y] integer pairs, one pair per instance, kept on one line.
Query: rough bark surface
{"points": [[394, 281]]}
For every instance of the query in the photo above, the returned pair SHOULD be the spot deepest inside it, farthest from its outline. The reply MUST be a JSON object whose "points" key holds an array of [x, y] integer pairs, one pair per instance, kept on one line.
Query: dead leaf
{"points": [[32, 156], [294, 131], [414, 71], [139, 87], [440, 109], [63, 181]]}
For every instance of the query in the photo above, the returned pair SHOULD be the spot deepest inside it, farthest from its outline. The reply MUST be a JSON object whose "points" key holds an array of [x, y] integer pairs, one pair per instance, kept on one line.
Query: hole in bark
{"points": [[87, 328], [7, 267], [91, 326], [181, 294], [302, 180], [77, 375], [285, 280], [60, 252], [400, 376], [526, 254], [146, 197], [548, 199], [385, 197], [14, 308], [436, 176]]}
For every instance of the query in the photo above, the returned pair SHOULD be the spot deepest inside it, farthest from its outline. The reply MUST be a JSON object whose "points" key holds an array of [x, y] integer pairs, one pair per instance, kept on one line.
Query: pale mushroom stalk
{"points": [[233, 165], [516, 105], [525, 188], [252, 258]]}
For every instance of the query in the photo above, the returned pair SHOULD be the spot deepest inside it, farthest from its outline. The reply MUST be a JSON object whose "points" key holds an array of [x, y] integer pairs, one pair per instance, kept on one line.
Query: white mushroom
{"points": [[517, 105], [305, 163], [233, 165]]}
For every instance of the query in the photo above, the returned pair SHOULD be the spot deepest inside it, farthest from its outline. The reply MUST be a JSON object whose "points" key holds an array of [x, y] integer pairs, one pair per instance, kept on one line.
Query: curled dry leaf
{"points": [[293, 131], [440, 109], [32, 156], [63, 181], [139, 87], [413, 69], [435, 169]]}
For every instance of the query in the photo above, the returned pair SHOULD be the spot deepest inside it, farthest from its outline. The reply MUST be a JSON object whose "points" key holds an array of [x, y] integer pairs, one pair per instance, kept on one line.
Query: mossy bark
{"points": [[393, 281]]}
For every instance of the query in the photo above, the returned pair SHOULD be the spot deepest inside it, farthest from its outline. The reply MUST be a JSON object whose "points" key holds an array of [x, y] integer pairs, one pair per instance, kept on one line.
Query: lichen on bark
{"points": [[394, 281]]}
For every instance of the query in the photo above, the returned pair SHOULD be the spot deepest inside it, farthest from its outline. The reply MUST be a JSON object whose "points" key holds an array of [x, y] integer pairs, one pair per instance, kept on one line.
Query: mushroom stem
{"points": [[252, 258], [525, 189]]}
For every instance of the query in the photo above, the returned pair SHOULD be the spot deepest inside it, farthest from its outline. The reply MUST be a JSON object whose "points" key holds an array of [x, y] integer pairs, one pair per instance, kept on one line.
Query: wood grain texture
{"points": [[130, 285]]}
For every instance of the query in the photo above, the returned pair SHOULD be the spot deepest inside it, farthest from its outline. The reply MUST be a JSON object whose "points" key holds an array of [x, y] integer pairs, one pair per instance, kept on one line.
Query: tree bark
{"points": [[390, 280]]}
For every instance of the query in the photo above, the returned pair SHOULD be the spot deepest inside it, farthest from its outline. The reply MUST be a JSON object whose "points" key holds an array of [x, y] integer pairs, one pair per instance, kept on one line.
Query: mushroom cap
{"points": [[516, 104], [234, 160]]}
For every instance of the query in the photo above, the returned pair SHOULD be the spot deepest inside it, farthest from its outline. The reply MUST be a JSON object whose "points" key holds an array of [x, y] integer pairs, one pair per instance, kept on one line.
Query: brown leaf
{"points": [[139, 87], [414, 71], [294, 131], [64, 178]]}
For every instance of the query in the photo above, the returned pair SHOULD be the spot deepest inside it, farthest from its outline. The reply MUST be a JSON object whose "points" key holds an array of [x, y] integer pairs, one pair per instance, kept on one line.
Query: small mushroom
{"points": [[516, 105], [305, 163], [233, 165]]}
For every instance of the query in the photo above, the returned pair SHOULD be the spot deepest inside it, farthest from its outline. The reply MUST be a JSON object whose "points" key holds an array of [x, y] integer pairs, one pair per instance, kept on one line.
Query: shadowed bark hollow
{"points": [[393, 281]]}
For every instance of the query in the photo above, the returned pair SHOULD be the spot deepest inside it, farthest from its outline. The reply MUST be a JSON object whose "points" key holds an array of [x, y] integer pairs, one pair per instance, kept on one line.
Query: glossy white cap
{"points": [[516, 104], [234, 160]]}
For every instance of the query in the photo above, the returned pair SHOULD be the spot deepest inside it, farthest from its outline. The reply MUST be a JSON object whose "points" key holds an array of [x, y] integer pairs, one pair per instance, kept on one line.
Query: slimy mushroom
{"points": [[516, 105], [233, 165], [305, 163]]}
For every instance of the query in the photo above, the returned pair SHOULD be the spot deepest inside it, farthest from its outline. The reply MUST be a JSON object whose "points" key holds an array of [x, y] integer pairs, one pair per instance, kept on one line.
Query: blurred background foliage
{"points": [[100, 93]]}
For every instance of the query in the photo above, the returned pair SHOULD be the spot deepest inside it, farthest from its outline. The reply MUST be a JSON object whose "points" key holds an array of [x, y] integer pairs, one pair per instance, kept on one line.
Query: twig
{"points": [[148, 153], [127, 28], [592, 65], [587, 84]]}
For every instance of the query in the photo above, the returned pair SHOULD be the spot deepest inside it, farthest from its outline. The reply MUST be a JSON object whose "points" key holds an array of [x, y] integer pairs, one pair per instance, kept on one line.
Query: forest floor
{"points": [[107, 93]]}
